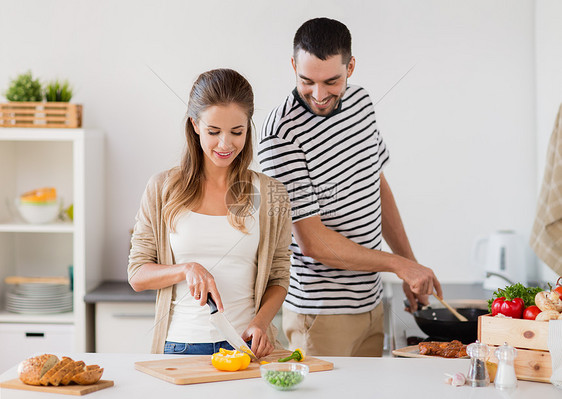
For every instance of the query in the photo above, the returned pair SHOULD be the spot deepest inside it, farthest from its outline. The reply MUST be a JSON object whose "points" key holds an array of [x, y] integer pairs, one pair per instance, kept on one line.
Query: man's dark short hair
{"points": [[323, 38]]}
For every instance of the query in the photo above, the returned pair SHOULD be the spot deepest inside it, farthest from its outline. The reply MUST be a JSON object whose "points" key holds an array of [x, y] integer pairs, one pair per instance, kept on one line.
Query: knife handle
{"points": [[211, 303]]}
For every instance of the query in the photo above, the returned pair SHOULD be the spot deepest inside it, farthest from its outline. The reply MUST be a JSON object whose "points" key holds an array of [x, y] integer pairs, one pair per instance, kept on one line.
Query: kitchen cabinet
{"points": [[71, 160], [21, 341], [124, 319], [123, 327]]}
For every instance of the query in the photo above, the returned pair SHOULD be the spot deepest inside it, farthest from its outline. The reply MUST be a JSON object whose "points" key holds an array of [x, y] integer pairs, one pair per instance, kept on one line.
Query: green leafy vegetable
{"points": [[516, 291]]}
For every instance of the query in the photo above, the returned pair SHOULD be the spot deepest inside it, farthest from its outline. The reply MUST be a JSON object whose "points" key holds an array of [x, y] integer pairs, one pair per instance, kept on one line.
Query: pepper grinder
{"points": [[505, 377], [478, 374]]}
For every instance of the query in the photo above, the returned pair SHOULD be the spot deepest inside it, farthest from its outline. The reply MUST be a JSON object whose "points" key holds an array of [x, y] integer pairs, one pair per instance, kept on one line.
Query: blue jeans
{"points": [[181, 348]]}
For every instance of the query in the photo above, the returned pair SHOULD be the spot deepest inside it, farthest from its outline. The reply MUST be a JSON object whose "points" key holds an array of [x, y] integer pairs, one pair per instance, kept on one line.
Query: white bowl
{"points": [[39, 213]]}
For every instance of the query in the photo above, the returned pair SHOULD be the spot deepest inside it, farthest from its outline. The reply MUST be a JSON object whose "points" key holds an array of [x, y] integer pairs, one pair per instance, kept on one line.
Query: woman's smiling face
{"points": [[222, 133]]}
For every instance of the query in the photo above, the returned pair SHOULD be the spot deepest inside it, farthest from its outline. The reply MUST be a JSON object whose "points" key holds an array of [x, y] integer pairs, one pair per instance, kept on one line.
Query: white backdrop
{"points": [[549, 85], [461, 126]]}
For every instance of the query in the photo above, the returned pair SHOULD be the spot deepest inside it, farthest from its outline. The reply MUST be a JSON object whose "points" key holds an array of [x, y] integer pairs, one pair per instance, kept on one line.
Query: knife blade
{"points": [[219, 321]]}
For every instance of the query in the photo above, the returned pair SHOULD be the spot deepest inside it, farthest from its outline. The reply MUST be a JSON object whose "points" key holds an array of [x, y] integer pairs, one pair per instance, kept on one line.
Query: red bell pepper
{"points": [[513, 308]]}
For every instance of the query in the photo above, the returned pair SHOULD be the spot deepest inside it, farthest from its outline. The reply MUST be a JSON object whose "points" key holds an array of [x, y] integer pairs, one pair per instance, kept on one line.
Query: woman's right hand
{"points": [[200, 283]]}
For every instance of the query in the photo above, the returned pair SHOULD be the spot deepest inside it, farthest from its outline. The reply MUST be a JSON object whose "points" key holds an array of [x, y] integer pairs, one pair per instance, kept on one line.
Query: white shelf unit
{"points": [[71, 160]]}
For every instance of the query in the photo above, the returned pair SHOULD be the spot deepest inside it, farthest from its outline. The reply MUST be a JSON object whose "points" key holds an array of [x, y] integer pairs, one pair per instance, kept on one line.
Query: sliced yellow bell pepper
{"points": [[226, 360]]}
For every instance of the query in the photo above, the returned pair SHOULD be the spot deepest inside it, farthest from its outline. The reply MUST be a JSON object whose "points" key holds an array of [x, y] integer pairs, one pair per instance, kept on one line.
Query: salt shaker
{"points": [[505, 377], [478, 374]]}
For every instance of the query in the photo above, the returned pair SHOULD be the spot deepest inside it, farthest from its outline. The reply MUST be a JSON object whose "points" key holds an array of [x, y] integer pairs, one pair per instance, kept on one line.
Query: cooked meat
{"points": [[444, 349]]}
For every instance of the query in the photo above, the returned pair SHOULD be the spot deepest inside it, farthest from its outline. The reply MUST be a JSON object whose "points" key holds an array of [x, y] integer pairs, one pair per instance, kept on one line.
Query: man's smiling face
{"points": [[321, 83]]}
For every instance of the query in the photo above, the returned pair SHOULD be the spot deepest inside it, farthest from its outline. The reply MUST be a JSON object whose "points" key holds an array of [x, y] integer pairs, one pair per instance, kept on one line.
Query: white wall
{"points": [[460, 126], [548, 83]]}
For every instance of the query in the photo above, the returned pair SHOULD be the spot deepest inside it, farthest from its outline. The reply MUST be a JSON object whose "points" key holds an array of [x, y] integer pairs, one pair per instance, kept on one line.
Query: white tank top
{"points": [[231, 257]]}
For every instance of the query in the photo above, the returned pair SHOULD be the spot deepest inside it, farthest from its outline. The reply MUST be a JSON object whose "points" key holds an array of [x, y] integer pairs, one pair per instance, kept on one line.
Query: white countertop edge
{"points": [[351, 378]]}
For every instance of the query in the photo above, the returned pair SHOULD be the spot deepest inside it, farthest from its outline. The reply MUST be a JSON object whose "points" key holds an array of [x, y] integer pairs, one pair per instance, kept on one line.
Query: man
{"points": [[324, 145]]}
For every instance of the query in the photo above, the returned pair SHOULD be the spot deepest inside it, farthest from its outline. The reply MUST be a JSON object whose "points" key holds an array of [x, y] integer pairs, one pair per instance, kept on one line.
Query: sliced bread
{"points": [[58, 376], [88, 377], [46, 379], [31, 370], [77, 367]]}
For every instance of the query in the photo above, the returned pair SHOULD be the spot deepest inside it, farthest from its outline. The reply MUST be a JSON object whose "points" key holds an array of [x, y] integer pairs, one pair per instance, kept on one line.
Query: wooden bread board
{"points": [[190, 369], [62, 389], [414, 351]]}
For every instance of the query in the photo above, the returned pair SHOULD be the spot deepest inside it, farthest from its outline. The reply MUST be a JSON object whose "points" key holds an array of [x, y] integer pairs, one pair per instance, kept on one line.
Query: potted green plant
{"points": [[24, 88], [31, 105], [58, 91]]}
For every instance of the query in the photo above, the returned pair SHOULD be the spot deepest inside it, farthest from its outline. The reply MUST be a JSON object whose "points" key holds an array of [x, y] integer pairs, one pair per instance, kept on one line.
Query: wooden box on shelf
{"points": [[40, 114], [530, 337]]}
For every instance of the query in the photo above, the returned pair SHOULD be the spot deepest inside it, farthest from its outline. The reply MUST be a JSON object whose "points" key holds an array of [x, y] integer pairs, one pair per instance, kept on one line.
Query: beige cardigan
{"points": [[546, 236], [150, 244]]}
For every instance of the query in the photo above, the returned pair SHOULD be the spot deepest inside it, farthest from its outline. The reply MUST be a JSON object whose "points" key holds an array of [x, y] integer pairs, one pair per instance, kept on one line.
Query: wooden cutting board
{"points": [[188, 369], [64, 389], [414, 351]]}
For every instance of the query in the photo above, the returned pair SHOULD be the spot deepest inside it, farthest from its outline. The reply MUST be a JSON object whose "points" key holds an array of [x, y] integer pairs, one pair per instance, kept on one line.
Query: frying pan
{"points": [[441, 324]]}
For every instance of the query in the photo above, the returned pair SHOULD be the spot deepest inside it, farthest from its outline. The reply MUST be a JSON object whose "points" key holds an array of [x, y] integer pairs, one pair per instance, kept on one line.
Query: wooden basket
{"points": [[530, 337], [40, 114]]}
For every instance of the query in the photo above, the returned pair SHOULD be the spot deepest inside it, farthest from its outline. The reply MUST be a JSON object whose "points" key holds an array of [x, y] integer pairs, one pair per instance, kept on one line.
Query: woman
{"points": [[213, 226]]}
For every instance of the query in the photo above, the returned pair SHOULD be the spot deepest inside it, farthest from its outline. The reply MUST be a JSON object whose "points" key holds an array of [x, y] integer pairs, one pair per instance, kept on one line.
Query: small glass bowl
{"points": [[284, 376]]}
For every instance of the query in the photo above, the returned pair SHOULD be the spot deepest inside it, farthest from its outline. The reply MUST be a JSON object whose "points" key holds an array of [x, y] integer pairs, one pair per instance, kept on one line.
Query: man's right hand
{"points": [[421, 281]]}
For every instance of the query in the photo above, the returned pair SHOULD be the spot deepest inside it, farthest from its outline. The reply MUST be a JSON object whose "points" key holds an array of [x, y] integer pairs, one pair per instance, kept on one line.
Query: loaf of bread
{"points": [[49, 370], [31, 370]]}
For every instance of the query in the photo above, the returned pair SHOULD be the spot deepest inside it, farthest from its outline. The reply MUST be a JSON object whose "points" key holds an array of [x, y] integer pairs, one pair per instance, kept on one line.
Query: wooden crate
{"points": [[40, 114], [520, 333], [533, 361], [530, 365]]}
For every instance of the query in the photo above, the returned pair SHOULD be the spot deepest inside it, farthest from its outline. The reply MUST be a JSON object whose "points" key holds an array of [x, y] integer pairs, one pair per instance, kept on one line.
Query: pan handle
{"points": [[420, 306]]}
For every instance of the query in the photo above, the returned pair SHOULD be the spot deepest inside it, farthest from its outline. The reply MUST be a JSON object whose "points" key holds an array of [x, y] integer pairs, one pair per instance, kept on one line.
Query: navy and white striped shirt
{"points": [[331, 167]]}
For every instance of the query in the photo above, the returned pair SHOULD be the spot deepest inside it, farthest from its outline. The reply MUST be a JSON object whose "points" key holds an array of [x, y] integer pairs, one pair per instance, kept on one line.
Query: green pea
{"points": [[283, 379]]}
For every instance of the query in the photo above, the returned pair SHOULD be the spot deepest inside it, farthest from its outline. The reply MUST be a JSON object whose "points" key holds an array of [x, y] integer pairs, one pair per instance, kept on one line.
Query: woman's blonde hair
{"points": [[184, 185]]}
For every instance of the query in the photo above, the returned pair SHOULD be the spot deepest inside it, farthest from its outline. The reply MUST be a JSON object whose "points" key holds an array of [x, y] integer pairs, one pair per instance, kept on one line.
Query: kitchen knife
{"points": [[219, 321]]}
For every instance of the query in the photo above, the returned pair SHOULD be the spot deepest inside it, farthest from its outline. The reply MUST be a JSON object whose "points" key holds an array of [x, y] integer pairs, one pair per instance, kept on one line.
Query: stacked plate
{"points": [[39, 298]]}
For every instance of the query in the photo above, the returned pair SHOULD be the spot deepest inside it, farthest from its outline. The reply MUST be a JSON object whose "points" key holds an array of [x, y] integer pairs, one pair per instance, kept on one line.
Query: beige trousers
{"points": [[336, 335]]}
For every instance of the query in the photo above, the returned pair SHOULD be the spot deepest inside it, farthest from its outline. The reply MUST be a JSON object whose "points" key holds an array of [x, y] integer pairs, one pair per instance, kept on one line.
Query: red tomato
{"points": [[531, 312]]}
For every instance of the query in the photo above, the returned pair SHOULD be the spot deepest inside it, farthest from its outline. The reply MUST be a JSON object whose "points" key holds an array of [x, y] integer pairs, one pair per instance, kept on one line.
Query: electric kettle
{"points": [[502, 259]]}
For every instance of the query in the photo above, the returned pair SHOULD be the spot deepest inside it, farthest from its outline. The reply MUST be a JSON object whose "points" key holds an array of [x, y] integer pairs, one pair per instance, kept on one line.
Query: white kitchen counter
{"points": [[351, 378]]}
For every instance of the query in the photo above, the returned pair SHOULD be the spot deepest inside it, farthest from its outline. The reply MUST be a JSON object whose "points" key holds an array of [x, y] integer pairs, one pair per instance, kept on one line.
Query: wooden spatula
{"points": [[453, 311]]}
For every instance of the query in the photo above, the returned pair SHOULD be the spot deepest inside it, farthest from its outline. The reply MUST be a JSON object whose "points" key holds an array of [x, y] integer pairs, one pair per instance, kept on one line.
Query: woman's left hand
{"points": [[261, 346]]}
